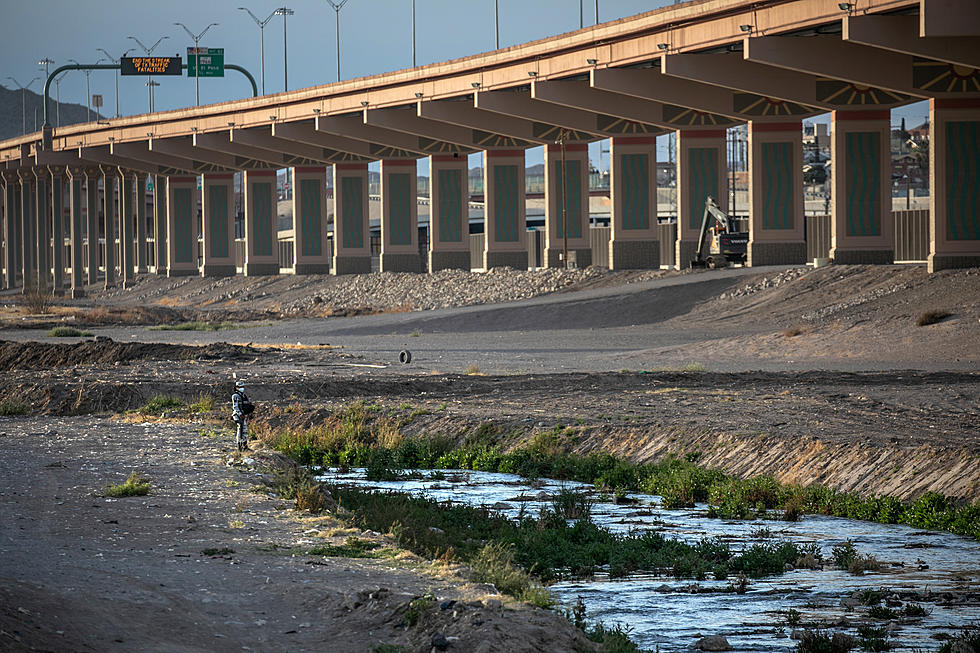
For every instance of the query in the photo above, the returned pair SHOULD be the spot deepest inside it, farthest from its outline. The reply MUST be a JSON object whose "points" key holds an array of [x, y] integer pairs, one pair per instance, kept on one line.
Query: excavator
{"points": [[727, 245]]}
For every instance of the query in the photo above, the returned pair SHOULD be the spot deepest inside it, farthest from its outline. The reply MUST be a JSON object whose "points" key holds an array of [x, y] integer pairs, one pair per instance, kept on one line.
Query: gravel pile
{"points": [[785, 276], [864, 298]]}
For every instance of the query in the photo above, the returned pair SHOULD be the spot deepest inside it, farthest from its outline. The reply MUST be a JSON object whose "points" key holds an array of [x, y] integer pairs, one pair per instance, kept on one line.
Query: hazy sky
{"points": [[375, 38]]}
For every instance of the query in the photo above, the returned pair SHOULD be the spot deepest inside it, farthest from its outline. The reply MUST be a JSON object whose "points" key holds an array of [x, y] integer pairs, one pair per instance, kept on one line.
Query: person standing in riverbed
{"points": [[241, 409]]}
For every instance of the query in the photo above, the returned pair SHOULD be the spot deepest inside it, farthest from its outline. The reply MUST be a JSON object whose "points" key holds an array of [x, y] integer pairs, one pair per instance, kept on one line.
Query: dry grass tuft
{"points": [[932, 317], [793, 331]]}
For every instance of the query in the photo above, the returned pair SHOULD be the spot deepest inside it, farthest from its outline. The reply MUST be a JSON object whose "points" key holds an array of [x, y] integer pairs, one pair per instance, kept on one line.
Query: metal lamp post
{"points": [[197, 66], [57, 86], [23, 100], [88, 94], [284, 11], [149, 51], [261, 24], [116, 60], [337, 6]]}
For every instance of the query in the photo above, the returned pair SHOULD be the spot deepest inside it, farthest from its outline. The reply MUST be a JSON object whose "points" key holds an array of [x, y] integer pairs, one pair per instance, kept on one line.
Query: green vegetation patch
{"points": [[159, 404], [135, 486], [68, 332], [353, 547], [197, 326], [12, 408]]}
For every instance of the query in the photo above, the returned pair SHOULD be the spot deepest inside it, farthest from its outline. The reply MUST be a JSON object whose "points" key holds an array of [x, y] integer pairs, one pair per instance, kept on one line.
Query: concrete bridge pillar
{"points": [[634, 241], [351, 234], [8, 192], [182, 245], [109, 223], [449, 224], [140, 223], [954, 178], [504, 209], [219, 225], [861, 228], [310, 255], [574, 185], [126, 230], [92, 222], [776, 208], [76, 202], [58, 229], [702, 170], [160, 196], [42, 228], [399, 217], [261, 228], [28, 229]]}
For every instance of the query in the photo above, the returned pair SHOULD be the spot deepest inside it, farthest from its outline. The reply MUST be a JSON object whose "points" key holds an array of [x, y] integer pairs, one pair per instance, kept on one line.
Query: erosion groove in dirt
{"points": [[40, 355]]}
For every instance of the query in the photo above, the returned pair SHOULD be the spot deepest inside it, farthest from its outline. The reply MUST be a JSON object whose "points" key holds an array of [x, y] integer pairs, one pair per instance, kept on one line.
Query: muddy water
{"points": [[939, 571]]}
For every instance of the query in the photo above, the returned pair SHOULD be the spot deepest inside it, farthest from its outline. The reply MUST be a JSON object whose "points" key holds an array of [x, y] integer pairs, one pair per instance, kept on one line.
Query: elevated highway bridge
{"points": [[694, 69]]}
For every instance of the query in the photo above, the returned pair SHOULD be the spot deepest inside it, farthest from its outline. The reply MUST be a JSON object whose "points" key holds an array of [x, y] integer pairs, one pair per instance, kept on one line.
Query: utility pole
{"points": [[197, 61], [284, 11]]}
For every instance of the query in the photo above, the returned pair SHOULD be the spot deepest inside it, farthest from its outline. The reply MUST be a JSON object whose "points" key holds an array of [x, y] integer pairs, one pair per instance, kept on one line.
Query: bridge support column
{"points": [[58, 229], [351, 234], [861, 227], [126, 245], [504, 209], [9, 233], [182, 248], [399, 217], [261, 228], [574, 185], [75, 207], [310, 254], [160, 196], [449, 224], [92, 222], [42, 229], [954, 178], [219, 225], [634, 241], [28, 229], [109, 223], [776, 208], [140, 223], [701, 171]]}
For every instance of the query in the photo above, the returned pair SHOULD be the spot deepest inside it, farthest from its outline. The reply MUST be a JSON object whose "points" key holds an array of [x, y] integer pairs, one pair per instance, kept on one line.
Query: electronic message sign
{"points": [[150, 66]]}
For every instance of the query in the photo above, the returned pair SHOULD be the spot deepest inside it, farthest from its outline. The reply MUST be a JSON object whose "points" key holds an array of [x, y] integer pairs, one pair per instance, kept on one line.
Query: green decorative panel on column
{"points": [[399, 192], [635, 172], [450, 206], [573, 195], [962, 180], [184, 236], [703, 173], [218, 219], [262, 225], [505, 203], [777, 183], [862, 197], [309, 191], [353, 218]]}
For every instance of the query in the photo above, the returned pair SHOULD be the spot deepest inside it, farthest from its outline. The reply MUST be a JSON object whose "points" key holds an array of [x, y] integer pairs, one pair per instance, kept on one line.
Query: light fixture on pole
{"points": [[117, 61], [284, 11], [45, 62], [261, 24], [149, 86], [337, 6], [746, 28], [23, 101], [197, 61], [88, 94]]}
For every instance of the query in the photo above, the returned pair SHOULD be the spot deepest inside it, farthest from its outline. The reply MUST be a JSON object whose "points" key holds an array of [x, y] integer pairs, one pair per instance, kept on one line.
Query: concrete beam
{"points": [[183, 147], [384, 140], [261, 139], [944, 18], [406, 120], [141, 152], [547, 119], [616, 113], [103, 157], [306, 133], [900, 33], [686, 103], [828, 56], [246, 156], [495, 130]]}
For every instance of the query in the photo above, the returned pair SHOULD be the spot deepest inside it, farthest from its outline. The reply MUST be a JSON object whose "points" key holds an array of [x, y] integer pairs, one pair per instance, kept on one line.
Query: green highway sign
{"points": [[205, 62]]}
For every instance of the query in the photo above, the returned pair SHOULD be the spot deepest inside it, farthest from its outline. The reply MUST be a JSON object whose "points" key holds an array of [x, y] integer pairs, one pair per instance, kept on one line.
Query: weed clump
{"points": [[13, 408], [196, 326], [418, 608], [159, 404], [818, 641], [494, 563], [931, 317], [204, 404], [353, 547], [68, 332], [135, 486]]}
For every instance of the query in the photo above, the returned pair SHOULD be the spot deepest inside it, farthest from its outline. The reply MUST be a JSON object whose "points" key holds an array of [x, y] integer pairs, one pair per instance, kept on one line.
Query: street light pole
{"points": [[57, 86], [117, 61], [496, 24], [197, 60], [284, 11], [88, 95], [149, 51], [413, 33], [23, 101], [261, 24], [337, 7]]}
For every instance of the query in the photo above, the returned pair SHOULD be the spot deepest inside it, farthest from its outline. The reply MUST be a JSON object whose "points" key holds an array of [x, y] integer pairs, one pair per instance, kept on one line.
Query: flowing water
{"points": [[939, 571]]}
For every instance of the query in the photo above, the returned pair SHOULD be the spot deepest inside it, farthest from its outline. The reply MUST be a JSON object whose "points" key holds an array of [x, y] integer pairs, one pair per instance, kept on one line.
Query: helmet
{"points": [[239, 385]]}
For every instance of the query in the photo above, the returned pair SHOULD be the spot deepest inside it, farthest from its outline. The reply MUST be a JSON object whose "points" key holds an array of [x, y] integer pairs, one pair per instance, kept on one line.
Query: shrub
{"points": [[818, 641], [874, 639], [352, 547], [931, 317], [310, 497], [418, 607], [68, 332], [968, 638], [792, 331], [12, 407], [204, 404], [844, 553], [135, 486], [36, 301], [161, 403], [494, 563]]}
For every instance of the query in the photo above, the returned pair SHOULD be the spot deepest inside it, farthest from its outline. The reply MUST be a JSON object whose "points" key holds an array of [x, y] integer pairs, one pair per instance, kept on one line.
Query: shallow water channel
{"points": [[939, 571]]}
